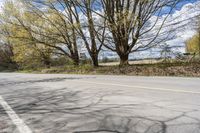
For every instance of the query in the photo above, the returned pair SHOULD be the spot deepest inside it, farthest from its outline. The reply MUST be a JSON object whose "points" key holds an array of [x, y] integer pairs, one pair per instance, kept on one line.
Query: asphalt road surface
{"points": [[42, 103]]}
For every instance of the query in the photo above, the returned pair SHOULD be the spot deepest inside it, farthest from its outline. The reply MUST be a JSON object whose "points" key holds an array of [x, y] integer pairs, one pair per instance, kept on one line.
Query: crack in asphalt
{"points": [[79, 108], [50, 103]]}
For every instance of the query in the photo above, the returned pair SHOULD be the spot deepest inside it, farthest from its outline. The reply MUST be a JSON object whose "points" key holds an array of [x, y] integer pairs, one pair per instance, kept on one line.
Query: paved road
{"points": [[31, 103]]}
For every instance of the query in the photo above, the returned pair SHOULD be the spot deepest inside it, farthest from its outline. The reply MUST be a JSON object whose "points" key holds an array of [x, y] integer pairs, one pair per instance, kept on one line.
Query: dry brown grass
{"points": [[158, 69]]}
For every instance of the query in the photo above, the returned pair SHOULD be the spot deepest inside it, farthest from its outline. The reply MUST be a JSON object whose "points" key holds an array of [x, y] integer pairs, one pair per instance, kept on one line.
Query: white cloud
{"points": [[185, 20], [182, 24], [1, 4], [182, 34]]}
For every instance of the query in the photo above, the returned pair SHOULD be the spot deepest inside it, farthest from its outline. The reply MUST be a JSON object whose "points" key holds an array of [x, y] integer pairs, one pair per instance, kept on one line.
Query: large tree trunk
{"points": [[75, 59], [94, 53], [47, 63], [95, 61], [124, 60]]}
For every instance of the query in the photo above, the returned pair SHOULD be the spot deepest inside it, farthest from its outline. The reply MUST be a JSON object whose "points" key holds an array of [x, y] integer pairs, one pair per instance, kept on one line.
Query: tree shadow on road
{"points": [[41, 80], [88, 112]]}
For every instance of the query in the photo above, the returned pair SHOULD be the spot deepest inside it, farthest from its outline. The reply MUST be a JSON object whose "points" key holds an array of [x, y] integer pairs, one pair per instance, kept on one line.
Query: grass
{"points": [[158, 69], [175, 68]]}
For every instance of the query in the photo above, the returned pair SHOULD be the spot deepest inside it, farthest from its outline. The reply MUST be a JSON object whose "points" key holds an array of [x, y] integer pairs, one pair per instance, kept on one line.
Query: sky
{"points": [[186, 9], [178, 7]]}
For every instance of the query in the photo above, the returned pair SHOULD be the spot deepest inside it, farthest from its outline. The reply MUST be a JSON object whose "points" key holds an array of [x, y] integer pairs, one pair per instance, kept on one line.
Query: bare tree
{"points": [[94, 41], [52, 25], [124, 26], [130, 20], [70, 28]]}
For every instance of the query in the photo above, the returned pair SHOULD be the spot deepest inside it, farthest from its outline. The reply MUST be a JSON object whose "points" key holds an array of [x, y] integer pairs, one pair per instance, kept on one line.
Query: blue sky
{"points": [[179, 6], [185, 2], [182, 36]]}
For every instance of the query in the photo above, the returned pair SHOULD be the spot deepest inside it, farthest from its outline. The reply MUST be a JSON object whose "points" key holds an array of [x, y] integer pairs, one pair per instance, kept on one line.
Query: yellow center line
{"points": [[141, 87]]}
